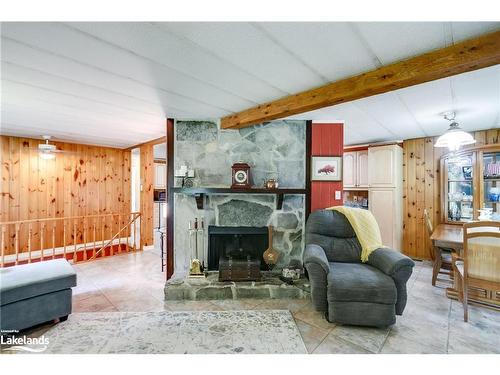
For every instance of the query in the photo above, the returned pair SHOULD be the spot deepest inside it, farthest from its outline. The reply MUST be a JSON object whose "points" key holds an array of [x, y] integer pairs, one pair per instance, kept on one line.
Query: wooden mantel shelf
{"points": [[200, 192]]}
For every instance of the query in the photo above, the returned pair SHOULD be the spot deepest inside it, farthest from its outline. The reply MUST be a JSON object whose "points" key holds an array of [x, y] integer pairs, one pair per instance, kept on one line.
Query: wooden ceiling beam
{"points": [[472, 54], [152, 142]]}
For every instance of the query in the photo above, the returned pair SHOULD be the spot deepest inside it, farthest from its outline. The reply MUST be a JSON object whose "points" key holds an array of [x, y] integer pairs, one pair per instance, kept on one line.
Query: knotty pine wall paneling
{"points": [[421, 189], [147, 193], [86, 180]]}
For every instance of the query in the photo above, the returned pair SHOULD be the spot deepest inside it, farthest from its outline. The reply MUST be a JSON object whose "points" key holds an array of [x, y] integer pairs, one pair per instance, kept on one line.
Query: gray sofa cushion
{"points": [[30, 280], [331, 230], [354, 282]]}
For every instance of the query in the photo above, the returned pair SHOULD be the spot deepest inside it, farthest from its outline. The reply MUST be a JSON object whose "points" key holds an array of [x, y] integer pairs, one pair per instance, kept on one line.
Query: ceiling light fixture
{"points": [[454, 137], [46, 150]]}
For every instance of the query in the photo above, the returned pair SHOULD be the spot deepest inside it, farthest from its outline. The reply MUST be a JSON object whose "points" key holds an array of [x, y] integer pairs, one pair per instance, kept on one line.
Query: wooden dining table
{"points": [[448, 236], [451, 236]]}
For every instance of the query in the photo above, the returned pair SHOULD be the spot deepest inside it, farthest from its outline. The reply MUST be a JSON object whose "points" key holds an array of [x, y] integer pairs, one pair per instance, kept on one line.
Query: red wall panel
{"points": [[327, 140]]}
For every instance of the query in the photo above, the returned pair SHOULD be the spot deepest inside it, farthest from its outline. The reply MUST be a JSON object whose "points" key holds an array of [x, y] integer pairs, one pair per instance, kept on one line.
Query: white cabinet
{"points": [[385, 166], [160, 175], [386, 206], [362, 169], [385, 197], [349, 169], [355, 169]]}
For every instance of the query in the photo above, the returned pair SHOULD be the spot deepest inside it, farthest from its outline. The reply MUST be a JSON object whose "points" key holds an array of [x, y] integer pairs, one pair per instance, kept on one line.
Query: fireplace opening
{"points": [[236, 252]]}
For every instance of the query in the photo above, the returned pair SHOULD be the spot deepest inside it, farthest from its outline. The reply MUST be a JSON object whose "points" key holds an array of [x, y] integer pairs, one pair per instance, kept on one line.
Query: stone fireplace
{"points": [[275, 149]]}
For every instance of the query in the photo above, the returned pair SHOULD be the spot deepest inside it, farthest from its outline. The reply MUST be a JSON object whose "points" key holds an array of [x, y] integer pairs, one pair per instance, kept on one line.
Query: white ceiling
{"points": [[115, 83]]}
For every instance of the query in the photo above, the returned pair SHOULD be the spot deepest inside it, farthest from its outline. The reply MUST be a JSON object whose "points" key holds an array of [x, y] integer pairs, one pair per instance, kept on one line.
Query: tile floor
{"points": [[431, 322]]}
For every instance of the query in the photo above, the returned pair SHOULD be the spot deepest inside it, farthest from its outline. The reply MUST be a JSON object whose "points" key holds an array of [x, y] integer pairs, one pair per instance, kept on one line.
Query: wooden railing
{"points": [[76, 238]]}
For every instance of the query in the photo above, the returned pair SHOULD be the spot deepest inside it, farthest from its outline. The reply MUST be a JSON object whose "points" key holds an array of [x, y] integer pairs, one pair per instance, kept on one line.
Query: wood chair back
{"points": [[428, 222], [481, 252]]}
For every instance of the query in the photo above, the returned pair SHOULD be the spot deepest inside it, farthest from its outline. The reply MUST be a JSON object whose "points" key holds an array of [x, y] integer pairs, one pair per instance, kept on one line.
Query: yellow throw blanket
{"points": [[366, 228]]}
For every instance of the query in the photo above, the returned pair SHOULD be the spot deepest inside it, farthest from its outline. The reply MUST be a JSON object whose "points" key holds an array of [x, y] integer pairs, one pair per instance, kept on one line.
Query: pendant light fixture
{"points": [[454, 137]]}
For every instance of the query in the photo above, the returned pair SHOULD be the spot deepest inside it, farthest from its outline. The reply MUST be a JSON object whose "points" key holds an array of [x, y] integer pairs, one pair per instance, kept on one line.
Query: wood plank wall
{"points": [[147, 193], [421, 189], [327, 140], [87, 180]]}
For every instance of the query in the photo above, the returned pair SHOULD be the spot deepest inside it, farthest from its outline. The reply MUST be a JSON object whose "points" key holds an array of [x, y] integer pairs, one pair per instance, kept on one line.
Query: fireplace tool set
{"points": [[197, 250]]}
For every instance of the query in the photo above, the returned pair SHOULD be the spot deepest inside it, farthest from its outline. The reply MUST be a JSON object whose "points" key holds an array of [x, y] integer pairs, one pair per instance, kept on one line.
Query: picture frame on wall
{"points": [[326, 168]]}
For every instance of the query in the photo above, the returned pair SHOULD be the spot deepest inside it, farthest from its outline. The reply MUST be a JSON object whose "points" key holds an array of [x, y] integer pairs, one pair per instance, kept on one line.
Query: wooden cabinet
{"points": [[355, 169], [160, 176], [383, 166]]}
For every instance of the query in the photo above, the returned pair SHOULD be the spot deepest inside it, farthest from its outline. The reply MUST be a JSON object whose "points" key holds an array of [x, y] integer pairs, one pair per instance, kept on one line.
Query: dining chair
{"points": [[479, 265], [441, 257]]}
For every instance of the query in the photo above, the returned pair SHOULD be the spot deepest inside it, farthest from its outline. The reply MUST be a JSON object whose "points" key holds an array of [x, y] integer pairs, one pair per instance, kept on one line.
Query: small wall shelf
{"points": [[200, 192]]}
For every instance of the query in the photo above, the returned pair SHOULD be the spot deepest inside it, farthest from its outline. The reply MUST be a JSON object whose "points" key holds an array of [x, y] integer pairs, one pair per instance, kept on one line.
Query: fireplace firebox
{"points": [[236, 252]]}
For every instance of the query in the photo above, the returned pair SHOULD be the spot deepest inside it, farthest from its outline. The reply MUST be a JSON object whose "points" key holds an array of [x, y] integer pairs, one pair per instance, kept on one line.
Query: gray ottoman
{"points": [[35, 293]]}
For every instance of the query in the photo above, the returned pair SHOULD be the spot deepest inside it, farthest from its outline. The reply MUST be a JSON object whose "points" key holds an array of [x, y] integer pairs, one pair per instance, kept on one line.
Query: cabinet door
{"points": [[381, 203], [160, 175], [349, 169], [362, 168], [381, 166]]}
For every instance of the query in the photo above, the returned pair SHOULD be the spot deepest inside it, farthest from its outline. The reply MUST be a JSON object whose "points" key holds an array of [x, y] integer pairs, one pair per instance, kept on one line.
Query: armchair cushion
{"points": [[331, 230], [357, 282]]}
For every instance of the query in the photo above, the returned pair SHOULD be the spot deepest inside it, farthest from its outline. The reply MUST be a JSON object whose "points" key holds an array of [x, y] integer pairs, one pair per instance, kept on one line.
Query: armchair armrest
{"points": [[315, 254], [397, 266], [317, 267], [389, 261]]}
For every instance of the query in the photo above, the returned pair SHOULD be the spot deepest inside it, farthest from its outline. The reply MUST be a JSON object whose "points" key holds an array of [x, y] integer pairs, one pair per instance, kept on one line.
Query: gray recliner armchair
{"points": [[347, 290]]}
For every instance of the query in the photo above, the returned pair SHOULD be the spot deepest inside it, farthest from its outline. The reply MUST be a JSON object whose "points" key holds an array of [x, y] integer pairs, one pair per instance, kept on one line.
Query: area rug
{"points": [[190, 332]]}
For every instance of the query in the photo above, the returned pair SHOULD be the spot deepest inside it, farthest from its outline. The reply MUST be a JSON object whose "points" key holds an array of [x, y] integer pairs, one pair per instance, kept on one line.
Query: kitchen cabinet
{"points": [[355, 169], [160, 177], [385, 198], [384, 166]]}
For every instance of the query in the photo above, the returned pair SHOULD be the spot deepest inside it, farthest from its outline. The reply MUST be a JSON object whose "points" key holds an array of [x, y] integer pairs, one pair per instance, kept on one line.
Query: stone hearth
{"points": [[210, 288]]}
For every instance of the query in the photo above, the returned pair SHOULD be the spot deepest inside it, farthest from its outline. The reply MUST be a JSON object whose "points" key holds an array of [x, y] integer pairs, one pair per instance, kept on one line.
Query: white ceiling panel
{"points": [[14, 92], [393, 41], [68, 135], [246, 46], [73, 44], [390, 111], [11, 113], [169, 50], [166, 101], [427, 102], [115, 122], [332, 49], [466, 30], [34, 78], [477, 98]]}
